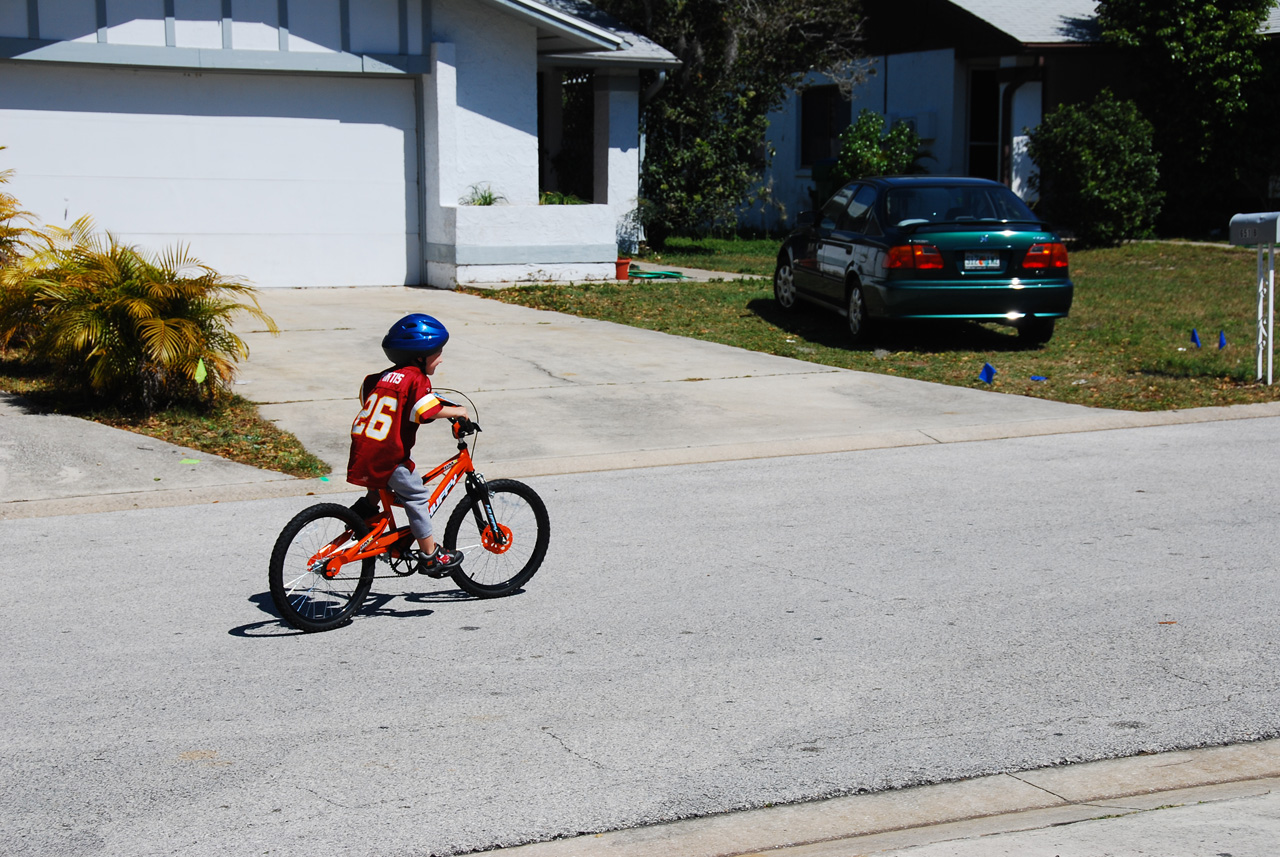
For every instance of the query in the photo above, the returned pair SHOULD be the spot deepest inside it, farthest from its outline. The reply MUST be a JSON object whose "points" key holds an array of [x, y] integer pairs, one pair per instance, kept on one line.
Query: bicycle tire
{"points": [[305, 598], [487, 572]]}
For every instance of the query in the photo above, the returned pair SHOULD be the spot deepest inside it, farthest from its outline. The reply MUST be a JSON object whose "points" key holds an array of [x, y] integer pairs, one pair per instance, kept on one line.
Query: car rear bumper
{"points": [[968, 300]]}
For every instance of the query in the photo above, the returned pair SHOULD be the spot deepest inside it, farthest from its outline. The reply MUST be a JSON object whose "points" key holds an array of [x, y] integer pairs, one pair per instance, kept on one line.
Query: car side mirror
{"points": [[806, 218]]}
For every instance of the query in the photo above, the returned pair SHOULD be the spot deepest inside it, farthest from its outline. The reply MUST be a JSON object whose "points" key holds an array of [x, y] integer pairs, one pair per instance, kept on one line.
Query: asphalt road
{"points": [[701, 638]]}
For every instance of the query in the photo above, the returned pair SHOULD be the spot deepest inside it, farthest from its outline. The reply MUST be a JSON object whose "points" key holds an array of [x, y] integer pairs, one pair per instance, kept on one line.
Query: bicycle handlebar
{"points": [[463, 427]]}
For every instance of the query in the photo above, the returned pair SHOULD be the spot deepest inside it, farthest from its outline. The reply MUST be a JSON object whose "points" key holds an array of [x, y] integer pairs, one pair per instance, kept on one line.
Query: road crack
{"points": [[547, 731]]}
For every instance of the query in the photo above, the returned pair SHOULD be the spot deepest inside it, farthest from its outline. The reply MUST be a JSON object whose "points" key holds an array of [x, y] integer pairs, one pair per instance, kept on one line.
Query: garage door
{"points": [[289, 180]]}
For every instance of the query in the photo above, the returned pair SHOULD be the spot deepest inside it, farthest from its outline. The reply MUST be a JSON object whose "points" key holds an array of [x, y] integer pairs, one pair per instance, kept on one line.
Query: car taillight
{"points": [[922, 256], [1046, 256]]}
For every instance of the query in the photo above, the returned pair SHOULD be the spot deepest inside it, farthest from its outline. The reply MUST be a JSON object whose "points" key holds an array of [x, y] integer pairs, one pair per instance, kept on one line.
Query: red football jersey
{"points": [[395, 401]]}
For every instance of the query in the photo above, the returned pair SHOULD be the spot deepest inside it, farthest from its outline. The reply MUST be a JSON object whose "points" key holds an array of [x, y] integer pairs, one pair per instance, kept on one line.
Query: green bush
{"points": [[1097, 171], [555, 197], [866, 149], [142, 331]]}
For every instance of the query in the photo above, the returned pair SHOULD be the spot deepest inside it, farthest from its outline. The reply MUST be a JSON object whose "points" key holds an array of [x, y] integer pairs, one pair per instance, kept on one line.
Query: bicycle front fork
{"points": [[478, 489]]}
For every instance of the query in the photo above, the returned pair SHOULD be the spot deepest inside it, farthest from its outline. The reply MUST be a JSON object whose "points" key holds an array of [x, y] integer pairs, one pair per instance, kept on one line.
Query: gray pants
{"points": [[414, 496]]}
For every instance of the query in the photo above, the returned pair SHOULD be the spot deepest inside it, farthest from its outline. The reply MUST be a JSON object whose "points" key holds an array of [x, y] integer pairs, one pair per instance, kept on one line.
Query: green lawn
{"points": [[732, 255], [1126, 345]]}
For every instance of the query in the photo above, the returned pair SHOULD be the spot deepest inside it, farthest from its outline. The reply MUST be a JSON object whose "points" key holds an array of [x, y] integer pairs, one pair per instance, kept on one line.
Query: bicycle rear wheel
{"points": [[489, 568], [305, 597]]}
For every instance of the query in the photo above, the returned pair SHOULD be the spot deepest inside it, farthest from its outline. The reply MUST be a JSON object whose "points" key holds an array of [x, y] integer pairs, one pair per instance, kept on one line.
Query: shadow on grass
{"points": [[827, 328], [1182, 369], [690, 250]]}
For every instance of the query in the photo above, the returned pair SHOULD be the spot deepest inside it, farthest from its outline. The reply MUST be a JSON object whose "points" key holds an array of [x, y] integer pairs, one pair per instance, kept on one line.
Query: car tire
{"points": [[784, 284], [1036, 331], [856, 314]]}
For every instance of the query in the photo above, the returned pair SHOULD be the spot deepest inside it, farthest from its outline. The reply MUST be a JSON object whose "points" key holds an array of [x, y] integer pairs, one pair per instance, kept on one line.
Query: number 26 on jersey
{"points": [[375, 419]]}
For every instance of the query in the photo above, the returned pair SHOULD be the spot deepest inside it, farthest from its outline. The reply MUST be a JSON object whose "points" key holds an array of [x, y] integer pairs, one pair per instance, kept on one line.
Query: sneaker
{"points": [[439, 563], [365, 509]]}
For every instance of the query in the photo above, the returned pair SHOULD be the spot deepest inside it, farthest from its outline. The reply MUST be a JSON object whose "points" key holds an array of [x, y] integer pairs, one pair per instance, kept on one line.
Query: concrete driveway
{"points": [[556, 394], [561, 394]]}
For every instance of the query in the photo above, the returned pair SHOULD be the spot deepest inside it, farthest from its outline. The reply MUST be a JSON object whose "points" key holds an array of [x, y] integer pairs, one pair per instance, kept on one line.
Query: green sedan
{"points": [[927, 247]]}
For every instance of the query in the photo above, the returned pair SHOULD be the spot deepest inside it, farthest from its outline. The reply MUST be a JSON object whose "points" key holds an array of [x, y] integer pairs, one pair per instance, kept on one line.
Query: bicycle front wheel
{"points": [[499, 566], [306, 597]]}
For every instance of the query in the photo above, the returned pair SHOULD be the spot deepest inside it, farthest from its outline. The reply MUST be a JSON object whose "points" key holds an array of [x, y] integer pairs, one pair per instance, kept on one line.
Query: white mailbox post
{"points": [[1262, 229]]}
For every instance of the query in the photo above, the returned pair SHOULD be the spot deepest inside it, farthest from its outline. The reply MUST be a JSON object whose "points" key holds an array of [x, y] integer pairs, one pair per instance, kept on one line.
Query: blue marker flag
{"points": [[988, 373], [1039, 378], [1222, 339], [1195, 338]]}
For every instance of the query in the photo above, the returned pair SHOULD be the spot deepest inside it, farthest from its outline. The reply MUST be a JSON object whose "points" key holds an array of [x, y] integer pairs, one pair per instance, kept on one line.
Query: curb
{"points": [[923, 815]]}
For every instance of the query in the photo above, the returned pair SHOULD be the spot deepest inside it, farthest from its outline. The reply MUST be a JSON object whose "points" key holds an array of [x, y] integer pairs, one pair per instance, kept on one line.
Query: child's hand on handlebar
{"points": [[463, 427]]}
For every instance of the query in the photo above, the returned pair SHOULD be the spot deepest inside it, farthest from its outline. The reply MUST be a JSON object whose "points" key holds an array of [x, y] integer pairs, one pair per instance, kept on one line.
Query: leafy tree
{"points": [[1197, 57], [1198, 61], [1098, 170], [705, 129]]}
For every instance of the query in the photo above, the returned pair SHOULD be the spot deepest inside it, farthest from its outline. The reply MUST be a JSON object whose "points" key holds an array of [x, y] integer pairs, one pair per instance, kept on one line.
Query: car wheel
{"points": [[784, 284], [856, 314], [1036, 331]]}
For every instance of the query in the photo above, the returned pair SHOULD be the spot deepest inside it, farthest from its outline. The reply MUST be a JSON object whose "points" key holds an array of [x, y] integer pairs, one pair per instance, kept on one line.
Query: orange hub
{"points": [[491, 544]]}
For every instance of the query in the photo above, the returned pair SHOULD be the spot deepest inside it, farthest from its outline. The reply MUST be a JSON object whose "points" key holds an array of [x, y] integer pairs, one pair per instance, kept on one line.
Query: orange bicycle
{"points": [[323, 563]]}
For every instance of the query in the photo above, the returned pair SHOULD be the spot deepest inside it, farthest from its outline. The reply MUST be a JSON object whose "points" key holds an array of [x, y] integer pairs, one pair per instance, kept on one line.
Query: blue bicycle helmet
{"points": [[414, 337]]}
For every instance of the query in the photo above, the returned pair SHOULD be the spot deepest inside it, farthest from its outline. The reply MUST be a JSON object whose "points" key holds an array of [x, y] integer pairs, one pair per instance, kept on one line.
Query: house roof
{"points": [[985, 27], [1038, 22], [1272, 25], [1049, 22], [627, 48]]}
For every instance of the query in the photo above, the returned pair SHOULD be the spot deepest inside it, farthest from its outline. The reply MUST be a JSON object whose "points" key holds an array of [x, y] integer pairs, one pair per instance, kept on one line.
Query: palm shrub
{"points": [[1097, 170], [16, 230], [143, 331]]}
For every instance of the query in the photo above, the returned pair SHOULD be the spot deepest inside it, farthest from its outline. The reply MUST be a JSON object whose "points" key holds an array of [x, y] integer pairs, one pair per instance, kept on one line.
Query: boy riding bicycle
{"points": [[395, 402]]}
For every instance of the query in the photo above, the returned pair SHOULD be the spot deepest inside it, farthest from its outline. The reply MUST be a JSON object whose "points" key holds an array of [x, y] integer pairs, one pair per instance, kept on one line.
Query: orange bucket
{"points": [[624, 269]]}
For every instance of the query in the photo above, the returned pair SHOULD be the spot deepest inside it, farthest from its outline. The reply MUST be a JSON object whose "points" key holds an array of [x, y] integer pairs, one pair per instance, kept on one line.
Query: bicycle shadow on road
{"points": [[273, 627], [376, 604]]}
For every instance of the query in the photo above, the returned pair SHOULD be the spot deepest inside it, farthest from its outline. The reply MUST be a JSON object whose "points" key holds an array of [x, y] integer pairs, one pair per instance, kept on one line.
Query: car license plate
{"points": [[975, 261]]}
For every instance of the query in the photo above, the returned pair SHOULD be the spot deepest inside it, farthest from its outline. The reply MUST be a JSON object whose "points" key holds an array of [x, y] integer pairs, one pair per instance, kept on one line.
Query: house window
{"points": [[824, 113]]}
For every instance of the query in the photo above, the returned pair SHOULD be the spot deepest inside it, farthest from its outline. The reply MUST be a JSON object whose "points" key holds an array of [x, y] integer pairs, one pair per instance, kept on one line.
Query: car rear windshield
{"points": [[953, 204]]}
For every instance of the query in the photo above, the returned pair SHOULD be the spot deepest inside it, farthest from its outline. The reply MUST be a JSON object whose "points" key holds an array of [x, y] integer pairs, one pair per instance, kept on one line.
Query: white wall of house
{"points": [[494, 103], [920, 90], [71, 20], [482, 126], [617, 155], [926, 88]]}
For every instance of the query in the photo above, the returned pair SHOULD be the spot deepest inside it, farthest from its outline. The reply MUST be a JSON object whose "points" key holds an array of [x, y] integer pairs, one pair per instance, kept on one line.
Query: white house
{"points": [[327, 142], [970, 75]]}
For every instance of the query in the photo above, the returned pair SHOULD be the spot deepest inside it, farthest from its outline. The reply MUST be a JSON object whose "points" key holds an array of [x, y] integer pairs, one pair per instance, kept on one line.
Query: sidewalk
{"points": [[1196, 803]]}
